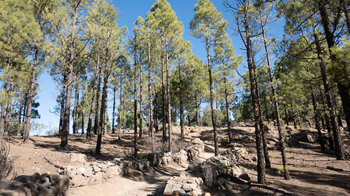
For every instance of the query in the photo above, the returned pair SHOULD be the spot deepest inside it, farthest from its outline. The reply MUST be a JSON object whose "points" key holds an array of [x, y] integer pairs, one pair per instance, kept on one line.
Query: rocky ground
{"points": [[114, 173]]}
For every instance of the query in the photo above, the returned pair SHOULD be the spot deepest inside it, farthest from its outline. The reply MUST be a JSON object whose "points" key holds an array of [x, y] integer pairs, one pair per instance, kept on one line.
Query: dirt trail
{"points": [[307, 165]]}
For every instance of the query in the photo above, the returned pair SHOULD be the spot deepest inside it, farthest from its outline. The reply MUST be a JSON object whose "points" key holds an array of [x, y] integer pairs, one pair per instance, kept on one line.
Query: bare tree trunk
{"points": [[76, 102], [20, 115], [102, 110], [197, 109], [255, 100], [168, 97], [65, 130], [8, 109], [182, 135], [156, 108], [277, 110], [121, 103], [213, 116], [317, 119], [230, 136], [339, 151], [63, 97], [163, 103], [113, 112], [141, 102], [3, 101], [98, 92], [150, 112], [92, 103], [135, 106], [26, 127]]}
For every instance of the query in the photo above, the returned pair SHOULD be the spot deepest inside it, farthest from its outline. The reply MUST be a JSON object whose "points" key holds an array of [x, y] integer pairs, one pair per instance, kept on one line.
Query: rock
{"points": [[35, 185], [77, 157], [311, 138], [88, 171], [171, 188], [96, 168], [183, 186], [223, 164], [113, 171], [98, 177], [79, 180], [197, 141], [208, 148]]}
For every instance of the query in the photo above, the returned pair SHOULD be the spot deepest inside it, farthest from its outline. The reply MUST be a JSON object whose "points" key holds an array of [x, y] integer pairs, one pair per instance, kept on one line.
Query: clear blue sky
{"points": [[129, 10]]}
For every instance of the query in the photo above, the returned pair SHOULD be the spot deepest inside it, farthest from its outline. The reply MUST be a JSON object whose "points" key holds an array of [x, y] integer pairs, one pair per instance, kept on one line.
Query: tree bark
{"points": [[163, 103], [277, 110], [168, 96], [135, 104], [3, 101], [92, 103], [339, 151], [98, 92], [76, 102], [182, 134], [317, 119], [66, 117], [30, 94], [102, 110], [141, 102], [63, 97], [255, 101], [113, 112], [8, 109], [150, 112], [230, 136], [213, 116]]}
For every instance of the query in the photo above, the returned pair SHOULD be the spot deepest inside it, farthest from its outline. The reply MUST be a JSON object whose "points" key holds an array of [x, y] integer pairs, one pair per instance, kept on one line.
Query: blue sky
{"points": [[129, 10]]}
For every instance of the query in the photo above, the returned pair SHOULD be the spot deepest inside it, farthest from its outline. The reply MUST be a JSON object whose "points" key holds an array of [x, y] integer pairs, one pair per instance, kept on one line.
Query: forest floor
{"points": [[307, 164]]}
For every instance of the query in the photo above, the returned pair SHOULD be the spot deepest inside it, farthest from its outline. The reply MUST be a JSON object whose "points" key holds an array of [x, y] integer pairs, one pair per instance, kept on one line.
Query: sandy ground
{"points": [[307, 165]]}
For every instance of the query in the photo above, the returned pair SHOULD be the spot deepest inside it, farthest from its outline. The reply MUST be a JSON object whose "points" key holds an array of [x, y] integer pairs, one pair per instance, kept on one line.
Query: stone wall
{"points": [[36, 185]]}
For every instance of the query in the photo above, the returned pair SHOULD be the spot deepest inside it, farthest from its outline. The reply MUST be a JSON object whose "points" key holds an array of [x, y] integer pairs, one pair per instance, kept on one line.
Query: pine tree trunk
{"points": [[213, 116], [230, 136], [76, 102], [156, 109], [63, 97], [150, 112], [8, 109], [168, 97], [277, 111], [339, 151], [182, 134], [92, 103], [317, 119], [102, 110], [3, 101], [121, 104], [98, 92], [66, 117], [113, 112], [255, 103], [163, 103], [197, 109], [20, 116], [135, 104], [26, 127], [141, 102]]}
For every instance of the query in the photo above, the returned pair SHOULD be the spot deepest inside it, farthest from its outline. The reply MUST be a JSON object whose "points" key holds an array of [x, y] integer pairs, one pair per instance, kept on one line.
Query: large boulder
{"points": [[223, 164]]}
